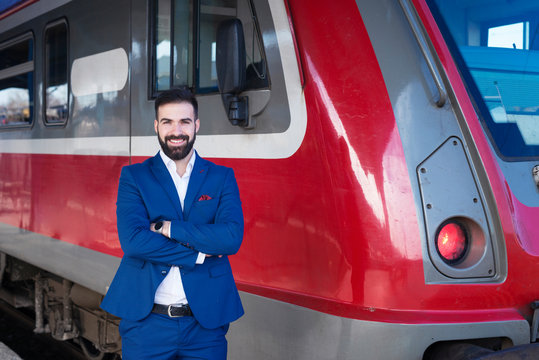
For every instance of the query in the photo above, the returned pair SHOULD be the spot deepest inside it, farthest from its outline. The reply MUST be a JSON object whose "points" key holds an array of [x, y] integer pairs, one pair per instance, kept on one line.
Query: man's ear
{"points": [[155, 125], [197, 125]]}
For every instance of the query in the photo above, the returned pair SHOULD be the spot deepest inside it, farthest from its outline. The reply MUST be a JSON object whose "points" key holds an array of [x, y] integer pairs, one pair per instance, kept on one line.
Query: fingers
{"points": [[166, 228]]}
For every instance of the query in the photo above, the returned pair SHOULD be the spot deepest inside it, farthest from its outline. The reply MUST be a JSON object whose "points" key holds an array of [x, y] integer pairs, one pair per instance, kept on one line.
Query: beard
{"points": [[177, 152]]}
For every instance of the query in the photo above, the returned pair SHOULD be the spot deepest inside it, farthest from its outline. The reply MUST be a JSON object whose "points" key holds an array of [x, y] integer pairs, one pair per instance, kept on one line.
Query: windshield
{"points": [[496, 46]]}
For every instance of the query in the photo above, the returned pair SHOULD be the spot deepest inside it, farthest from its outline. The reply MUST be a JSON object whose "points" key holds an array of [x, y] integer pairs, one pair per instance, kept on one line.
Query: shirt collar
{"points": [[171, 165]]}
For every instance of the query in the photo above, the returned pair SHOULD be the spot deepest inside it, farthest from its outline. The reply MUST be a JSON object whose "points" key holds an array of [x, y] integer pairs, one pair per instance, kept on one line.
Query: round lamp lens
{"points": [[452, 242]]}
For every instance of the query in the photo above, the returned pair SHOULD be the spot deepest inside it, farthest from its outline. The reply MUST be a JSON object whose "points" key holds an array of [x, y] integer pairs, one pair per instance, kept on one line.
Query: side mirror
{"points": [[231, 74]]}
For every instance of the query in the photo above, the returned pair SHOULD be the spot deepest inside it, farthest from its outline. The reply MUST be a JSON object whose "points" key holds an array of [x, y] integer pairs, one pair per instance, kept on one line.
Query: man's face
{"points": [[176, 129]]}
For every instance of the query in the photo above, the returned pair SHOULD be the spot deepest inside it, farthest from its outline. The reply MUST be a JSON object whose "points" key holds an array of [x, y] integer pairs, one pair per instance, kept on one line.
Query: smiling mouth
{"points": [[176, 142]]}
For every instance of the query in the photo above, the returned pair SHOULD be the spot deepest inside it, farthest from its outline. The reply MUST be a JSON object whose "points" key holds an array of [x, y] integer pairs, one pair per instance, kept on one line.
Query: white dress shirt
{"points": [[171, 291]]}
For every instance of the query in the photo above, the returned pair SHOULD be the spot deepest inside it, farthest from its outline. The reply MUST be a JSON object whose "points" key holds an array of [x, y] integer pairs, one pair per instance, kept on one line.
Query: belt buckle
{"points": [[170, 313]]}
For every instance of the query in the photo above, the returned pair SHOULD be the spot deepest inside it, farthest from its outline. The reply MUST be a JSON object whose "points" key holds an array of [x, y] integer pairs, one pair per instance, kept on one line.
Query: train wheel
{"points": [[93, 353]]}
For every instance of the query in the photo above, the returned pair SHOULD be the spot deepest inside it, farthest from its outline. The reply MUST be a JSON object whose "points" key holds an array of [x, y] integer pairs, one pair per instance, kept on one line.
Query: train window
{"points": [[171, 46], [512, 36], [56, 68], [16, 81], [497, 51], [184, 43]]}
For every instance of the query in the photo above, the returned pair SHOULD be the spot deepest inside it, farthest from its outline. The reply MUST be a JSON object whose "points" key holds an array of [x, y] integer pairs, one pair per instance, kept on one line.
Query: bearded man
{"points": [[179, 217]]}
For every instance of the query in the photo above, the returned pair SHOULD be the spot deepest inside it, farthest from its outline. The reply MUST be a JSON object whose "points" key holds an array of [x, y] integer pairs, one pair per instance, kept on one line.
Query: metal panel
{"points": [[448, 187], [299, 333], [83, 266], [30, 12]]}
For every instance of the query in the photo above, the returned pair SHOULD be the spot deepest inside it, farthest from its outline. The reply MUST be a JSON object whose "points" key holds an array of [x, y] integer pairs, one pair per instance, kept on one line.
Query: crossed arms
{"points": [[222, 237]]}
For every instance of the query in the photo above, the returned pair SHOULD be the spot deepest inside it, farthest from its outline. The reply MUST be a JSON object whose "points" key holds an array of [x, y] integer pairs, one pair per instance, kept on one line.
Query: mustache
{"points": [[177, 137]]}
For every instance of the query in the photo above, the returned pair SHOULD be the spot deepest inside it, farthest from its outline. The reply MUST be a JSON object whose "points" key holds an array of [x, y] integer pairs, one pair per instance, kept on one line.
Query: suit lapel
{"points": [[195, 182], [162, 175]]}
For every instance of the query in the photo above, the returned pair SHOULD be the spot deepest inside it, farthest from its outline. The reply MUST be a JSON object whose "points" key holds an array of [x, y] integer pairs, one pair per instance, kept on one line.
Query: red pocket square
{"points": [[204, 197]]}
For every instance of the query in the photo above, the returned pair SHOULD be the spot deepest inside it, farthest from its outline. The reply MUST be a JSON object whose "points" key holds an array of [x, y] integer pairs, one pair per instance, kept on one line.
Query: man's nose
{"points": [[178, 129]]}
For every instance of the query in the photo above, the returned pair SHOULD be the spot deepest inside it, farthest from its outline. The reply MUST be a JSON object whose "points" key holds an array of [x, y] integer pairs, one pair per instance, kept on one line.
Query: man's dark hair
{"points": [[177, 95]]}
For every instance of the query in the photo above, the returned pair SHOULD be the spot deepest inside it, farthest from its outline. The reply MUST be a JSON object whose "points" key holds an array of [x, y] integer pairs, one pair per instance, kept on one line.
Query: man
{"points": [[178, 216]]}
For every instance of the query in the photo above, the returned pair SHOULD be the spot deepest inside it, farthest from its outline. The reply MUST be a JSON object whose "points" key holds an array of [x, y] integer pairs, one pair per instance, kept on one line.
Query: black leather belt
{"points": [[172, 310]]}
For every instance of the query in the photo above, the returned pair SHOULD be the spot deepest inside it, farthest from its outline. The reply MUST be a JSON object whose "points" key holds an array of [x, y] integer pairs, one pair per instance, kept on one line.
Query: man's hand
{"points": [[163, 230]]}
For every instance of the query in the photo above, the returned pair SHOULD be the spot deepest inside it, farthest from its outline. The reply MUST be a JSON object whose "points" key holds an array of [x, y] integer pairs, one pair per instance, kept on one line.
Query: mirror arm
{"points": [[237, 109]]}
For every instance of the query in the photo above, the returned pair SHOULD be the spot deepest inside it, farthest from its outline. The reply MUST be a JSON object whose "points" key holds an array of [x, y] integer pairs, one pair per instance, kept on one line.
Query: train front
{"points": [[419, 240], [463, 82]]}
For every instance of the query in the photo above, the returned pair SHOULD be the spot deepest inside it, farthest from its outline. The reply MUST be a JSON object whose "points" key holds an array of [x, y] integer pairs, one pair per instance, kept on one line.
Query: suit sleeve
{"points": [[225, 234], [136, 238]]}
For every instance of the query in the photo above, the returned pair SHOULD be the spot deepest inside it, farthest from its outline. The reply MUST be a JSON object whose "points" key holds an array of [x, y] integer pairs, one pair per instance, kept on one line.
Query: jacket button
{"points": [[163, 272], [181, 266]]}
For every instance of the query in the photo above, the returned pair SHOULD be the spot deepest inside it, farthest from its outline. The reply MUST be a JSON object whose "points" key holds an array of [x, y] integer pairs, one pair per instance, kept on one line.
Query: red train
{"points": [[386, 156]]}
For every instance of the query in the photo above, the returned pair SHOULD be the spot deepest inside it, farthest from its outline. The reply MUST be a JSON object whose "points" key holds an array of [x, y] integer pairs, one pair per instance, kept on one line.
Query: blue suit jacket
{"points": [[146, 194]]}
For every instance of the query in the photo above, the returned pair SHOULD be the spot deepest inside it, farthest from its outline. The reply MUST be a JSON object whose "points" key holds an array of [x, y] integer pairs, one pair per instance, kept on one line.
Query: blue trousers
{"points": [[159, 337]]}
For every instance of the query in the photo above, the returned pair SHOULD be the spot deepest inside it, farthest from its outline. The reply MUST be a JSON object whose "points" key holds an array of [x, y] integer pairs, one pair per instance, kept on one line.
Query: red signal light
{"points": [[452, 242]]}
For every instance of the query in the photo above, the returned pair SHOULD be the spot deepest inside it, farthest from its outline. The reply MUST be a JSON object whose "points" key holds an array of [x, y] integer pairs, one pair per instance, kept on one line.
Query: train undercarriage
{"points": [[65, 310]]}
